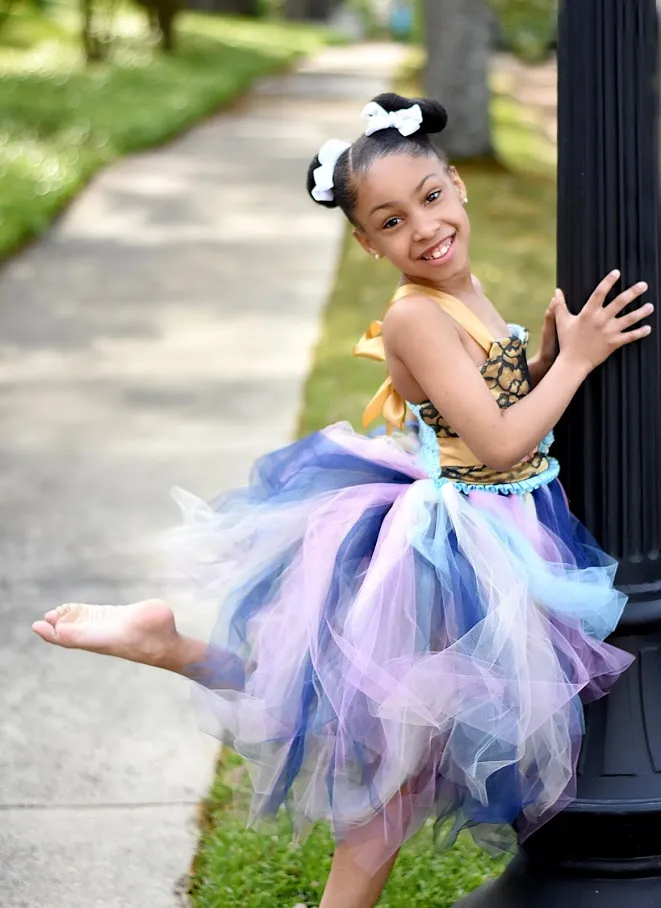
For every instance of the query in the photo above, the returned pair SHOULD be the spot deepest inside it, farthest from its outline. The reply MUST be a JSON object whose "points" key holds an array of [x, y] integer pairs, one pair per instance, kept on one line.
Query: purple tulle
{"points": [[390, 650]]}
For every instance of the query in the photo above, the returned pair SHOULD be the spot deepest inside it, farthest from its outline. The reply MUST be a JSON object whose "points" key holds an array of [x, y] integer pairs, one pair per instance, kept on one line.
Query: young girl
{"points": [[406, 630]]}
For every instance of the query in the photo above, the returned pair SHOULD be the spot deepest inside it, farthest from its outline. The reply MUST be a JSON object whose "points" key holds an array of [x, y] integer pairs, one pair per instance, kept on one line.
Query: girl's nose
{"points": [[424, 228]]}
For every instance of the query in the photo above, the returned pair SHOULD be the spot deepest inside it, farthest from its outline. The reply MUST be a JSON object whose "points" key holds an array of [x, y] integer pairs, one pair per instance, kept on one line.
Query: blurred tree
{"points": [[236, 7], [97, 19], [5, 12], [319, 10], [7, 7], [97, 24], [162, 15], [458, 36], [527, 27], [233, 7]]}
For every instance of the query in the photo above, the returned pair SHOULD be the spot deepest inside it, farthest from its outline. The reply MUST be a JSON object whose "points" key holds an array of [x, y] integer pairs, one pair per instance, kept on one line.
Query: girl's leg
{"points": [[145, 632], [349, 884]]}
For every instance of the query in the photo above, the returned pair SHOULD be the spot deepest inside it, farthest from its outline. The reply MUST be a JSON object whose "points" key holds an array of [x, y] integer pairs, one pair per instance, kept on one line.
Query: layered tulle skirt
{"points": [[389, 649]]}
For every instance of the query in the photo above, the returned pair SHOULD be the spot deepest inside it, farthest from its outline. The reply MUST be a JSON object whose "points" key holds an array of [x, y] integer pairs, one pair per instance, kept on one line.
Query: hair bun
{"points": [[310, 184], [434, 115]]}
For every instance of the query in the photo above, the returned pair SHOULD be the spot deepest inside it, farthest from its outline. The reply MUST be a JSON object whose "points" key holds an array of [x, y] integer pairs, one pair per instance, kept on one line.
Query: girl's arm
{"points": [[538, 367], [426, 342]]}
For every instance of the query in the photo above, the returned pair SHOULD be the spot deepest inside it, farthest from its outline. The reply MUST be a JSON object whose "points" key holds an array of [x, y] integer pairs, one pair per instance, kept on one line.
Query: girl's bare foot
{"points": [[143, 632]]}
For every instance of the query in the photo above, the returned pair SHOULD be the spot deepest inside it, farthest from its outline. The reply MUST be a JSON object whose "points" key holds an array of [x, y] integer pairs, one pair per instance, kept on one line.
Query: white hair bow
{"points": [[324, 176], [407, 121]]}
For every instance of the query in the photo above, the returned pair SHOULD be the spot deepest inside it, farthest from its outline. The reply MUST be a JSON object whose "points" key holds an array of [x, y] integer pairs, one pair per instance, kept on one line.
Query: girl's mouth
{"points": [[440, 251]]}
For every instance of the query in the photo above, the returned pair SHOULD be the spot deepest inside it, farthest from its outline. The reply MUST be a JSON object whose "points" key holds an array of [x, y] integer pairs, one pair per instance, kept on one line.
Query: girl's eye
{"points": [[393, 222], [434, 196]]}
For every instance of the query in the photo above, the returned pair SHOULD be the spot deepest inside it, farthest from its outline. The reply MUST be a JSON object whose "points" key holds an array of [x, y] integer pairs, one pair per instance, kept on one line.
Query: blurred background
{"points": [[86, 80]]}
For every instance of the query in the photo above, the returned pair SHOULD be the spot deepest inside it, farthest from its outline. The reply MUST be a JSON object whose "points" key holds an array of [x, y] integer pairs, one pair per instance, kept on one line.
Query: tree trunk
{"points": [[6, 12], [317, 10], [94, 47], [459, 49], [296, 9], [321, 10], [235, 7], [166, 15], [162, 15]]}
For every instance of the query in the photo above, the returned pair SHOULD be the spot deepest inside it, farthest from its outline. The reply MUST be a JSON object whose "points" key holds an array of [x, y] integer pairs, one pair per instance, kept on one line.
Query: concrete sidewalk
{"points": [[159, 335]]}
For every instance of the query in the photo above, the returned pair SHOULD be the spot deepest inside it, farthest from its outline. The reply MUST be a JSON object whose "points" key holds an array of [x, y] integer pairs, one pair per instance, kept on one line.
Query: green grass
{"points": [[261, 868], [60, 121], [512, 211]]}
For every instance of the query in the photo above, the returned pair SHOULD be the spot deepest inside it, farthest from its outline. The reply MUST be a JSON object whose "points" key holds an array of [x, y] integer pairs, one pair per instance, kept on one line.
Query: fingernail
{"points": [[615, 273]]}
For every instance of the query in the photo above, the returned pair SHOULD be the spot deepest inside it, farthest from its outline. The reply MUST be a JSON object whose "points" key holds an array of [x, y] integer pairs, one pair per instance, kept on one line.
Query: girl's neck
{"points": [[461, 286]]}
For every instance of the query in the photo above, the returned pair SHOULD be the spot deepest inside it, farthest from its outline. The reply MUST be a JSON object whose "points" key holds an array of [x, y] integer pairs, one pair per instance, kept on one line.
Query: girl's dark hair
{"points": [[358, 159]]}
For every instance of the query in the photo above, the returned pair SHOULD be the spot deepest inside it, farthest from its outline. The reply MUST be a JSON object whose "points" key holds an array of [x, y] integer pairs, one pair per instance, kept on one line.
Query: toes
{"points": [[45, 630], [67, 612], [57, 624]]}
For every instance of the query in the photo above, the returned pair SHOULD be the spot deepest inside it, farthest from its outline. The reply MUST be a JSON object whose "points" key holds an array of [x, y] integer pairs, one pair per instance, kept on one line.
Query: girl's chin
{"points": [[435, 273]]}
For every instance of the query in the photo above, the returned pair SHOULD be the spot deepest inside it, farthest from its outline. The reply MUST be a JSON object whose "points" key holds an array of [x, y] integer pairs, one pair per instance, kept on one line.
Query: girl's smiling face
{"points": [[411, 210]]}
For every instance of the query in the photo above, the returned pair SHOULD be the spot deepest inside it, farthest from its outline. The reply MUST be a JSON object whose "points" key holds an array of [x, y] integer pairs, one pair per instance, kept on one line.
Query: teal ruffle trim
{"points": [[547, 443], [507, 488], [428, 456]]}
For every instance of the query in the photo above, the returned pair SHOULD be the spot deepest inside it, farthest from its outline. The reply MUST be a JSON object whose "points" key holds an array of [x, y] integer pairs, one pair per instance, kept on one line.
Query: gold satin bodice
{"points": [[505, 372]]}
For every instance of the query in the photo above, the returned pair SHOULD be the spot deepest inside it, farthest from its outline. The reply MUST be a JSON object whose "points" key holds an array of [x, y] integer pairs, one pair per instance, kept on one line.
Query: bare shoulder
{"points": [[415, 317]]}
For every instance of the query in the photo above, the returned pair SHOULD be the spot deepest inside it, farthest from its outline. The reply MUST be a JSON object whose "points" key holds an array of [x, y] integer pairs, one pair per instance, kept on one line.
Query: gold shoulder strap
{"points": [[455, 309], [387, 402]]}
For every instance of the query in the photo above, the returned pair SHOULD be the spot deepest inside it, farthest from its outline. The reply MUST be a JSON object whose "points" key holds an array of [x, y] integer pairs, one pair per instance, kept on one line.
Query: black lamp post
{"points": [[604, 851]]}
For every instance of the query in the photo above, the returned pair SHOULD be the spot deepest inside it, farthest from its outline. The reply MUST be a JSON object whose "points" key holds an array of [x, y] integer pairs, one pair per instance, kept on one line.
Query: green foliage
{"points": [[61, 121], [254, 868], [527, 26]]}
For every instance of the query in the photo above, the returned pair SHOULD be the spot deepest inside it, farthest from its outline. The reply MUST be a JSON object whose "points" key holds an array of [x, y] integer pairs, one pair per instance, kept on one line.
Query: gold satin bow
{"points": [[386, 402]]}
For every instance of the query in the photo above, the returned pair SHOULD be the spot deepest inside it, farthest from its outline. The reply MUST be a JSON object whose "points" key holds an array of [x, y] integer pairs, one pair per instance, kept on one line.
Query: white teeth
{"points": [[439, 253]]}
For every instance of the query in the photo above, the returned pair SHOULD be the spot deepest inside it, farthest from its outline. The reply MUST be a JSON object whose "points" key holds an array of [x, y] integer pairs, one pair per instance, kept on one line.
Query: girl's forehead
{"points": [[401, 166], [397, 177]]}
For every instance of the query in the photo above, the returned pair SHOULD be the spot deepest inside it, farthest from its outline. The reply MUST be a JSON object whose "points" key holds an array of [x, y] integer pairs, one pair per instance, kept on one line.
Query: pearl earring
{"points": [[377, 256], [465, 200]]}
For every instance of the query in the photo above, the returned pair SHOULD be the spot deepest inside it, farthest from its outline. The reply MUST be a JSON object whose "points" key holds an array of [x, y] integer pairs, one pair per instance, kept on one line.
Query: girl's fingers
{"points": [[628, 337], [598, 298], [632, 318], [625, 299], [560, 310]]}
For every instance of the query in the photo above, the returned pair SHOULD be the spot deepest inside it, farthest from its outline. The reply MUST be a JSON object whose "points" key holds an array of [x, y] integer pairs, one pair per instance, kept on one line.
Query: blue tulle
{"points": [[485, 767]]}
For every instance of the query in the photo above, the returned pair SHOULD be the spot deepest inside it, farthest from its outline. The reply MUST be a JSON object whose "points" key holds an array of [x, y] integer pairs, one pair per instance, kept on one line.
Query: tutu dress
{"points": [[405, 634]]}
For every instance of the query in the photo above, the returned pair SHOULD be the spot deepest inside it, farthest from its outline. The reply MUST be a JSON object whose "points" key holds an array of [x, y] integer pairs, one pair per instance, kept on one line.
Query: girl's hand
{"points": [[548, 345], [590, 337]]}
